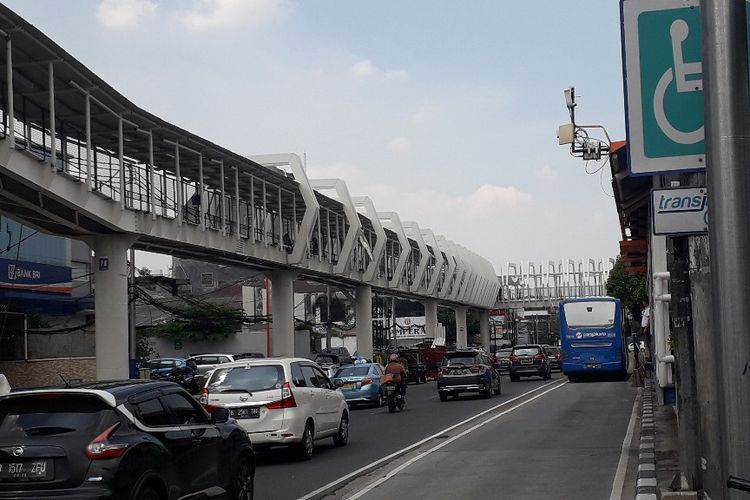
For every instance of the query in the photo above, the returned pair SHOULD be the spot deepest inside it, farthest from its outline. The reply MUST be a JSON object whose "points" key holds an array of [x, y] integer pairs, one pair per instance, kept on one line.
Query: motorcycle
{"points": [[394, 397], [188, 379]]}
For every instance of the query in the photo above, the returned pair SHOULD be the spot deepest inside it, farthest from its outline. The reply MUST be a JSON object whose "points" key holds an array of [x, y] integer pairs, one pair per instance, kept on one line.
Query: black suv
{"points": [[529, 360], [136, 440], [467, 371]]}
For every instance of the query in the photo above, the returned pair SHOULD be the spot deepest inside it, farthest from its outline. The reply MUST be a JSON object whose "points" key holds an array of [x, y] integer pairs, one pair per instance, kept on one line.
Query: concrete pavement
{"points": [[564, 444]]}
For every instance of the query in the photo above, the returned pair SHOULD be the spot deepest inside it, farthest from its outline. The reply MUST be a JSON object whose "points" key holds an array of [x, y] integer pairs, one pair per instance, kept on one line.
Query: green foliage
{"points": [[144, 349], [631, 290], [200, 322]]}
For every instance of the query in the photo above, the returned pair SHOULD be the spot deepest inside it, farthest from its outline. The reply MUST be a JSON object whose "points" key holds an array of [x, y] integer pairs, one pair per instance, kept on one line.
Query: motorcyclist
{"points": [[399, 373]]}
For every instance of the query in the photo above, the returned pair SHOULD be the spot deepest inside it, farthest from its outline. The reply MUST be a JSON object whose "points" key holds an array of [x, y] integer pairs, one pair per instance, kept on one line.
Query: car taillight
{"points": [[477, 369], [100, 448], [204, 400], [557, 356], [513, 358], [445, 370], [539, 356], [286, 401], [366, 381]]}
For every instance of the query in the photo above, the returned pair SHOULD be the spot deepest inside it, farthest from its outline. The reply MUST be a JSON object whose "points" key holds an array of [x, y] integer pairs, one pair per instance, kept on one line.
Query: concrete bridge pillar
{"points": [[461, 334], [430, 317], [282, 312], [484, 328], [111, 306], [363, 314]]}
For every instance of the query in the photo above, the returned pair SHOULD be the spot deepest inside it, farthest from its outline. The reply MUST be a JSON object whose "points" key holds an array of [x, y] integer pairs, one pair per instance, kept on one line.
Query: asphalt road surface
{"points": [[564, 444]]}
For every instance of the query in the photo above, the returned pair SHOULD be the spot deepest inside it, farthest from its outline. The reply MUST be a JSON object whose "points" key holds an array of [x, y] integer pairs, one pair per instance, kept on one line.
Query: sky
{"points": [[443, 111]]}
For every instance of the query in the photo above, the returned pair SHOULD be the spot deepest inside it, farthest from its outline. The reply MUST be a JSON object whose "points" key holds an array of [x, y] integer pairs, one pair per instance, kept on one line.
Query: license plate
{"points": [[526, 361], [31, 470], [247, 412], [350, 386], [592, 365]]}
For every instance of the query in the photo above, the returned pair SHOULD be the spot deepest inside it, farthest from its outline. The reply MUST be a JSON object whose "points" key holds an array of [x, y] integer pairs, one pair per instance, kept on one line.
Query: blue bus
{"points": [[591, 337]]}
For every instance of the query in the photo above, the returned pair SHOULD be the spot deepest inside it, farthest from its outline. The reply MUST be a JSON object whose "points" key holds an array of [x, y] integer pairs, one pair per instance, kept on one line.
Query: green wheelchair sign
{"points": [[664, 85]]}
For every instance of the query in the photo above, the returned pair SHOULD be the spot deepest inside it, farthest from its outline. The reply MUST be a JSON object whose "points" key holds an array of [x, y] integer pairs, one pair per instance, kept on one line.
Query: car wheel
{"points": [[514, 378], [342, 436], [148, 493], [486, 394], [443, 397], [424, 378], [307, 445], [243, 487], [380, 400], [497, 391]]}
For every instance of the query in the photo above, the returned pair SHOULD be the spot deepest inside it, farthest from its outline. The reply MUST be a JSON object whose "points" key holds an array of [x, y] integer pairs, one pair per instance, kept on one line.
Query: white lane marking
{"points": [[622, 465], [351, 475], [425, 453]]}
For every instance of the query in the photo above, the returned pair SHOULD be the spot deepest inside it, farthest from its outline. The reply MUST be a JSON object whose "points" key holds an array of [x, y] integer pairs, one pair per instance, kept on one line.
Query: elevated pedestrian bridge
{"points": [[538, 286], [80, 160]]}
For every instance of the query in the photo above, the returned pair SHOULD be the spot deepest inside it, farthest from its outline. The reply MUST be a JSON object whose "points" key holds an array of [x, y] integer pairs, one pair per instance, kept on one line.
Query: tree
{"points": [[200, 322], [630, 289]]}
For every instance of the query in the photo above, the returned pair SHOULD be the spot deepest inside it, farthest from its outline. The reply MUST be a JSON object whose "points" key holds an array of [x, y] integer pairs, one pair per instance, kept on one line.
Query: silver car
{"points": [[280, 402]]}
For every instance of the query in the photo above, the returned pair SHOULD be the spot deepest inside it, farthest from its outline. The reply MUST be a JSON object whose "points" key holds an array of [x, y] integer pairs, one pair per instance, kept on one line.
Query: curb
{"points": [[646, 485]]}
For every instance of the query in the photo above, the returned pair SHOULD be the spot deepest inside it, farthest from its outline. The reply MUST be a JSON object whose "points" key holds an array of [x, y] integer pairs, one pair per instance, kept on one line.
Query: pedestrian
{"points": [[288, 243]]}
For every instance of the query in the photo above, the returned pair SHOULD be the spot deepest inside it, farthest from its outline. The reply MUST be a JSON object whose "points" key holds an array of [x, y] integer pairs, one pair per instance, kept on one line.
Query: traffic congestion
{"points": [[214, 424]]}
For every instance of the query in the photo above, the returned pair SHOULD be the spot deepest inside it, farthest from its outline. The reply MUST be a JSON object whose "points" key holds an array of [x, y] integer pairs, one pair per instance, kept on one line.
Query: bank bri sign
{"points": [[32, 276], [680, 211]]}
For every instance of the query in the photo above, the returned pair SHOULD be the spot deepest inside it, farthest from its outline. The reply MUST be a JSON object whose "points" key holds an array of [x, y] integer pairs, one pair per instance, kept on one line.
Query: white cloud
{"points": [[124, 14], [207, 15], [365, 68], [462, 218], [399, 145], [548, 173]]}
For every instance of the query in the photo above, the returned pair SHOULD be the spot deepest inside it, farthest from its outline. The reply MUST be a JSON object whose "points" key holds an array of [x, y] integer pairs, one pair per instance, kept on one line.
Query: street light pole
{"points": [[726, 104]]}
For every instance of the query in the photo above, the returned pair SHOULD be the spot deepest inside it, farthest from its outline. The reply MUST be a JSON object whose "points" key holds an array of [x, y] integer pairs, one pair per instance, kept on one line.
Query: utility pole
{"points": [[726, 104], [133, 344]]}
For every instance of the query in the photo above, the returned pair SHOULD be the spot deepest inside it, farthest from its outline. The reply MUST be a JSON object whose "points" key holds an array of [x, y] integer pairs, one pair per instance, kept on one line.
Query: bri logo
{"points": [[14, 272], [678, 204]]}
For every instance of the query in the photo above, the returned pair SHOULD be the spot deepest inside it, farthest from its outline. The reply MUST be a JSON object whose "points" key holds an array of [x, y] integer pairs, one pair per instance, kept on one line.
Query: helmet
{"points": [[394, 357]]}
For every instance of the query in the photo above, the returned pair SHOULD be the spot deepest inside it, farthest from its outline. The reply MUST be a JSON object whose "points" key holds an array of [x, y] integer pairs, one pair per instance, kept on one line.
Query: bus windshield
{"points": [[590, 314]]}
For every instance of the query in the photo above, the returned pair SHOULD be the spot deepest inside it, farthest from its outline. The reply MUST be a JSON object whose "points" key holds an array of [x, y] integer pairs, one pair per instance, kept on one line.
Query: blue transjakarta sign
{"points": [[680, 211]]}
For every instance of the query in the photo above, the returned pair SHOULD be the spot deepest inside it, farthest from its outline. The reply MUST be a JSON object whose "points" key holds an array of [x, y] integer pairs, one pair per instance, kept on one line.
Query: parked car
{"points": [[249, 355], [529, 360], [467, 371], [207, 362], [121, 440], [360, 383], [553, 354], [280, 402], [331, 363], [501, 360], [163, 366]]}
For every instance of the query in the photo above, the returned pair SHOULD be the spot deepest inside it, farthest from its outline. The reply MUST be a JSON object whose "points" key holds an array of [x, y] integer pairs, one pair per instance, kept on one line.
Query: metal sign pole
{"points": [[726, 104]]}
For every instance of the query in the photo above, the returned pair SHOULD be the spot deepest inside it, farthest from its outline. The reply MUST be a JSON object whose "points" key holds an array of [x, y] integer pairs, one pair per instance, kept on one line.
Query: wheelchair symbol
{"points": [[678, 32]]}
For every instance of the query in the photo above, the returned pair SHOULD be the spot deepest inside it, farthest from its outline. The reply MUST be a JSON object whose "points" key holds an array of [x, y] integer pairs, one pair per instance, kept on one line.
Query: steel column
{"points": [[11, 132], [52, 127], [121, 158], [88, 141], [725, 90]]}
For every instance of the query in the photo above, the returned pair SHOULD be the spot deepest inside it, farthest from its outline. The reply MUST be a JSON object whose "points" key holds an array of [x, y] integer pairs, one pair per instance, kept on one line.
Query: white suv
{"points": [[280, 401]]}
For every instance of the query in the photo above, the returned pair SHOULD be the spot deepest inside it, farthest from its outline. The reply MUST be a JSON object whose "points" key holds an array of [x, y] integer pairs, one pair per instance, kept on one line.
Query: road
{"points": [[566, 440]]}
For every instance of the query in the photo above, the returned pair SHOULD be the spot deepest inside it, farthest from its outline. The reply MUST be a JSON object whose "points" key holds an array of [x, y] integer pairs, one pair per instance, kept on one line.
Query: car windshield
{"points": [[461, 360], [526, 351], [353, 371], [248, 378], [160, 363], [325, 359], [503, 354], [51, 414], [590, 314]]}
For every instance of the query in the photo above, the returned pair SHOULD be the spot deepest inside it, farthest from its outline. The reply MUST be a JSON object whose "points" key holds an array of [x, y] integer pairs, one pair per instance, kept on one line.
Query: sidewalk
{"points": [[658, 459]]}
